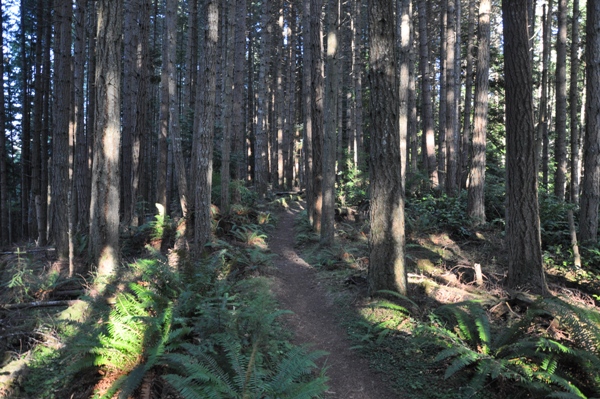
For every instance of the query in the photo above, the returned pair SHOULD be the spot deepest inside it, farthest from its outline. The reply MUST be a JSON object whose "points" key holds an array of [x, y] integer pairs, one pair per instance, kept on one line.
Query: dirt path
{"points": [[313, 320]]}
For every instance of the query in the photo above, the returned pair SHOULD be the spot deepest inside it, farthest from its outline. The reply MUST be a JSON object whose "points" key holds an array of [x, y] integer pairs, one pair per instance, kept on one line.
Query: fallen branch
{"points": [[38, 304]]}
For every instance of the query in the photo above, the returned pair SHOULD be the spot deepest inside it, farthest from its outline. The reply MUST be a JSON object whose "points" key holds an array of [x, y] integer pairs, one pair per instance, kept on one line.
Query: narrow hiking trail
{"points": [[314, 320]]}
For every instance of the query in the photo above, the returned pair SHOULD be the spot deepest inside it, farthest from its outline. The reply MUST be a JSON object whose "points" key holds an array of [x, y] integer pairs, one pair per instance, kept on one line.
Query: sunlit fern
{"points": [[536, 362]]}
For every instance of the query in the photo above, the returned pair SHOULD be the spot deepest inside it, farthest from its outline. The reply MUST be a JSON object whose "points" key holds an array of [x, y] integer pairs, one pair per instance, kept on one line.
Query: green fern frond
{"points": [[399, 296], [460, 363]]}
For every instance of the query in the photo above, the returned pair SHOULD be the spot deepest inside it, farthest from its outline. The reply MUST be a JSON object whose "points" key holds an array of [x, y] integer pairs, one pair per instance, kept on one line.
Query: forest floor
{"points": [[315, 319]]}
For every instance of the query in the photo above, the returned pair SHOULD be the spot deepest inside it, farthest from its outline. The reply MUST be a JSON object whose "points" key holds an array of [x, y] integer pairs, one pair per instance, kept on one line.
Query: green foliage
{"points": [[431, 213], [369, 332], [304, 232], [240, 375], [535, 361], [352, 188], [554, 224], [161, 224], [26, 278], [136, 335]]}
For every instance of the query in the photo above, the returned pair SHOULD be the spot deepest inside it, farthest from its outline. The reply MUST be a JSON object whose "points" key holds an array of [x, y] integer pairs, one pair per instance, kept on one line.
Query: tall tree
{"points": [[476, 196], [62, 140], [204, 134], [104, 223], [4, 206], [560, 151], [261, 149], [331, 119], [81, 187], [357, 71], [307, 108], [239, 138], [574, 107], [230, 23], [466, 129], [403, 28], [451, 98], [25, 99], [429, 157], [316, 48], [171, 7], [443, 103], [525, 268], [542, 134], [386, 241], [590, 193], [135, 38], [38, 122]]}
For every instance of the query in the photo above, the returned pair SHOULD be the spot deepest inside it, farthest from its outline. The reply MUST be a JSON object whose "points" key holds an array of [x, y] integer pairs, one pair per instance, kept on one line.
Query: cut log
{"points": [[38, 304]]}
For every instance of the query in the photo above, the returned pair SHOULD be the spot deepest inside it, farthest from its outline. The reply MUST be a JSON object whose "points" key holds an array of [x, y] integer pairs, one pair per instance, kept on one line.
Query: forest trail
{"points": [[314, 320]]}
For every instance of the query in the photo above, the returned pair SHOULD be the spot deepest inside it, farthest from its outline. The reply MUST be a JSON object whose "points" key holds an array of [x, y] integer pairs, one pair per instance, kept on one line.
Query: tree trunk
{"points": [[316, 47], [590, 193], [62, 140], [230, 24], [203, 137], [443, 102], [261, 145], [331, 123], [104, 224], [525, 268], [466, 131], [574, 107], [308, 109], [81, 187], [4, 205], [239, 138], [403, 20], [542, 134], [386, 241], [560, 151], [476, 198], [429, 155], [451, 98], [25, 157], [357, 71]]}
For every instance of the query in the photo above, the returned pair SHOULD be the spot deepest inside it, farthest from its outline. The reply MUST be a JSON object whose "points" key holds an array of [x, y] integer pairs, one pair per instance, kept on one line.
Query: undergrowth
{"points": [[212, 332]]}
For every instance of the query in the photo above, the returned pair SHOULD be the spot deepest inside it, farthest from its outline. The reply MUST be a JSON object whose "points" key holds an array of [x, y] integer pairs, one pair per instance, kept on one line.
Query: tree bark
{"points": [[451, 98], [317, 91], [590, 193], [403, 29], [4, 205], [560, 150], [466, 130], [203, 137], [230, 25], [476, 195], [386, 241], [331, 123], [429, 156], [525, 268], [62, 140], [104, 215], [261, 144], [239, 138], [81, 187], [574, 107]]}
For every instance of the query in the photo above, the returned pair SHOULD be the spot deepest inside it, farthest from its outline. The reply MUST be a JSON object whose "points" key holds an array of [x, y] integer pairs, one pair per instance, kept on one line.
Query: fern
{"points": [[540, 363], [138, 333], [198, 375]]}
